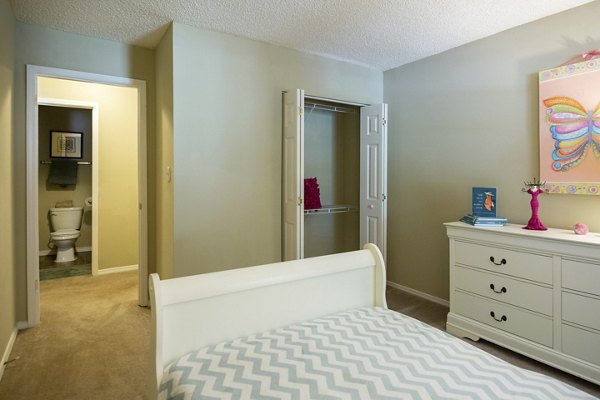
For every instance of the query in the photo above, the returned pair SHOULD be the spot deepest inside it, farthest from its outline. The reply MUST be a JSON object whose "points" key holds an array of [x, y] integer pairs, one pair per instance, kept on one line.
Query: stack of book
{"points": [[483, 212], [484, 221]]}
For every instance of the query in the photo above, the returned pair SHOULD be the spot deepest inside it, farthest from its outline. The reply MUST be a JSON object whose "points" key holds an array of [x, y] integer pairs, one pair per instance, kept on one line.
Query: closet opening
{"points": [[331, 160], [334, 178]]}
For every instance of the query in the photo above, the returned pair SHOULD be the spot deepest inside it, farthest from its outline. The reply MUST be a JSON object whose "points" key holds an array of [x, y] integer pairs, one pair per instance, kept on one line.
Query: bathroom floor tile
{"points": [[65, 271], [52, 270]]}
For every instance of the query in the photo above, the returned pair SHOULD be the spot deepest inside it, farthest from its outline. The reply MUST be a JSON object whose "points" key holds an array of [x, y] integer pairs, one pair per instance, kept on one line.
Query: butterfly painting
{"points": [[569, 128], [574, 130]]}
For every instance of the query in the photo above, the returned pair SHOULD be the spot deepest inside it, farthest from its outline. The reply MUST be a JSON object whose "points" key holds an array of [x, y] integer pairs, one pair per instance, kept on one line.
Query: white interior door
{"points": [[373, 176], [293, 172]]}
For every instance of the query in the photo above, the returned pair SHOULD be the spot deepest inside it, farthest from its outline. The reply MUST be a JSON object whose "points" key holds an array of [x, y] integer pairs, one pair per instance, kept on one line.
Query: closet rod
{"points": [[324, 107], [78, 162]]}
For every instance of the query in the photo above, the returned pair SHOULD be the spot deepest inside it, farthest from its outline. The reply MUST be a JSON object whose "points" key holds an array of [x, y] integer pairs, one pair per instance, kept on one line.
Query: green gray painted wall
{"points": [[227, 141], [8, 319], [469, 117], [164, 155]]}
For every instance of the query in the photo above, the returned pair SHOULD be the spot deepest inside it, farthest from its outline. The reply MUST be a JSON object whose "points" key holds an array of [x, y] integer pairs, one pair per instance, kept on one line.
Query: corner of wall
{"points": [[7, 351], [8, 271], [164, 155]]}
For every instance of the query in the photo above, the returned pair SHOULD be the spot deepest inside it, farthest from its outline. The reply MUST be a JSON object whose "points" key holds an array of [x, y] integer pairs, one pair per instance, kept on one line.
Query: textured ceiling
{"points": [[380, 33]]}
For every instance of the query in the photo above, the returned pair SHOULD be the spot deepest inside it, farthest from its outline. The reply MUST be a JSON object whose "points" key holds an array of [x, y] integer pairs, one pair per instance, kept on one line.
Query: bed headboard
{"points": [[196, 311]]}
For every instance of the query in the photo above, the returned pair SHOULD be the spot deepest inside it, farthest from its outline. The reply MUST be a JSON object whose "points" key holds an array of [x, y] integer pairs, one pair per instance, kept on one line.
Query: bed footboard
{"points": [[196, 311]]}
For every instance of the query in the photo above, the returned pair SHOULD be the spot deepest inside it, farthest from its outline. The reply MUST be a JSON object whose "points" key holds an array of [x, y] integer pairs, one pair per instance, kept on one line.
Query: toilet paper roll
{"points": [[88, 202]]}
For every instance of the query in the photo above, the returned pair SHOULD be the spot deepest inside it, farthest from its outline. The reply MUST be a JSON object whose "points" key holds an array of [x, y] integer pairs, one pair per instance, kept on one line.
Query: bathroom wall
{"points": [[117, 204], [70, 120]]}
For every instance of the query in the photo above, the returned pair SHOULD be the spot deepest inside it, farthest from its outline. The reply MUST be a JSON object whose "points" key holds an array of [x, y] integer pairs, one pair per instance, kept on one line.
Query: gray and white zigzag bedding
{"points": [[367, 353]]}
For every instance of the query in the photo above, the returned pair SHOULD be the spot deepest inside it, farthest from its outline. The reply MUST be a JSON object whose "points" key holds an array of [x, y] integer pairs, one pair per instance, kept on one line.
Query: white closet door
{"points": [[373, 175], [293, 173]]}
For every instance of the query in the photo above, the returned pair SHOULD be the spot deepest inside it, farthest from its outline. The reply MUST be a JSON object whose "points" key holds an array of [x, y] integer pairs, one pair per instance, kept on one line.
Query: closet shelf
{"points": [[331, 209], [326, 107]]}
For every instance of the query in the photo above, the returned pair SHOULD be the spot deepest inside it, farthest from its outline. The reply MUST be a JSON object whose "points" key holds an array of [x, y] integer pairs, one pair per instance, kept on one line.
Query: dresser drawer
{"points": [[524, 265], [584, 277], [507, 318], [581, 310], [504, 289], [581, 343]]}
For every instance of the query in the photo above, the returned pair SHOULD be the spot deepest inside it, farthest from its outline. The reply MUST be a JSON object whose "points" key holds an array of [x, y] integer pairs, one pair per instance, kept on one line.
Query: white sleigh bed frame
{"points": [[316, 328], [197, 311]]}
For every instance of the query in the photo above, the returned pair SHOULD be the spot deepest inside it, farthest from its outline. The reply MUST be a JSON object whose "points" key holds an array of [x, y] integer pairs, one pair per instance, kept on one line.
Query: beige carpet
{"points": [[93, 342]]}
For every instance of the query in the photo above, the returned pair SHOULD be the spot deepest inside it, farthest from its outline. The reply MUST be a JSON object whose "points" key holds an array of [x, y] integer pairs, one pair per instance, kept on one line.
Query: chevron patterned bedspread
{"points": [[367, 353]]}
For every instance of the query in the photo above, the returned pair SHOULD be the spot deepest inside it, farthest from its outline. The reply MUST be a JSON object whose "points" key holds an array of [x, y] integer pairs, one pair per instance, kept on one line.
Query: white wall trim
{"points": [[22, 325], [95, 193], [418, 293], [115, 270], [8, 350]]}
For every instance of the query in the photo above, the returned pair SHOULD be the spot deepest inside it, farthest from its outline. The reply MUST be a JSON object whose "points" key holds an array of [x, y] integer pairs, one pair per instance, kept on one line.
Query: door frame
{"points": [[33, 266]]}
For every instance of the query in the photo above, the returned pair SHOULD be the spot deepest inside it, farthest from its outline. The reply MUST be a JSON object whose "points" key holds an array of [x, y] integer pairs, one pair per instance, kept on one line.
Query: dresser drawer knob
{"points": [[502, 319], [502, 262], [503, 290]]}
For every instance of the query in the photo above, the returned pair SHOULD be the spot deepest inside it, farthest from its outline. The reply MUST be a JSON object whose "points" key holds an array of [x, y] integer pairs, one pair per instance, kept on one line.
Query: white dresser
{"points": [[534, 292]]}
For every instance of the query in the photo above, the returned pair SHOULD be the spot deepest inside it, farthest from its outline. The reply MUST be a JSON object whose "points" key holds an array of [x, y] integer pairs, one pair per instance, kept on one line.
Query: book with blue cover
{"points": [[484, 221], [485, 202]]}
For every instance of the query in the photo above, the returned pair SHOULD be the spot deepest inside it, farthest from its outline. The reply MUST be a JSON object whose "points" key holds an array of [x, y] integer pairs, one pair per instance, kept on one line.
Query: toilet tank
{"points": [[66, 218]]}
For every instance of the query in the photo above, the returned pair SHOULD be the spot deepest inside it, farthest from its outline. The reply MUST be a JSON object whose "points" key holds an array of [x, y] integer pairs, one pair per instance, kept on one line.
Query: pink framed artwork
{"points": [[570, 128]]}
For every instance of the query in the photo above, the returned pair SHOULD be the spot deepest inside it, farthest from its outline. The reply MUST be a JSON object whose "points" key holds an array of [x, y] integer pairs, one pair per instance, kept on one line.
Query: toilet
{"points": [[65, 224]]}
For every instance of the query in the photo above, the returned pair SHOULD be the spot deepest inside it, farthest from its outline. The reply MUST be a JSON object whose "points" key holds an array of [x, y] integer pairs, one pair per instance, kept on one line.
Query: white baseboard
{"points": [[22, 325], [7, 350], [418, 293], [115, 270]]}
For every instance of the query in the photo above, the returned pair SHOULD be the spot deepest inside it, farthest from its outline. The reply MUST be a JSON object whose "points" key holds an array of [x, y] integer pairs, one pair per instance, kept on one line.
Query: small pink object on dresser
{"points": [[580, 229]]}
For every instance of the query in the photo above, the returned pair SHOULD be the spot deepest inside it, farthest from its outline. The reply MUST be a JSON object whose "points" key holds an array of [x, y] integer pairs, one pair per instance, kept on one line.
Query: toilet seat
{"points": [[65, 234]]}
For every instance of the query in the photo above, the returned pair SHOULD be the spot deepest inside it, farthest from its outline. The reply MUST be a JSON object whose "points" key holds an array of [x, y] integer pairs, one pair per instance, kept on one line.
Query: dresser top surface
{"points": [[592, 238]]}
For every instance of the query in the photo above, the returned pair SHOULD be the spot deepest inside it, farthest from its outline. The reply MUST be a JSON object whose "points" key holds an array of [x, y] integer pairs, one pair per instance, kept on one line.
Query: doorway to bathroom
{"points": [[110, 163], [67, 129]]}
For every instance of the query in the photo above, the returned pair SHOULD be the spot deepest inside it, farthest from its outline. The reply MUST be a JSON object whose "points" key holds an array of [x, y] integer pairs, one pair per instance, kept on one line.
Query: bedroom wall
{"points": [[468, 117], [164, 155], [227, 141], [8, 319], [48, 47]]}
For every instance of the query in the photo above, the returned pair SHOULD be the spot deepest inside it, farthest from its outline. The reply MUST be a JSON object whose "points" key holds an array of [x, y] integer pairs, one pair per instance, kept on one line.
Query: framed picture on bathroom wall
{"points": [[65, 144]]}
